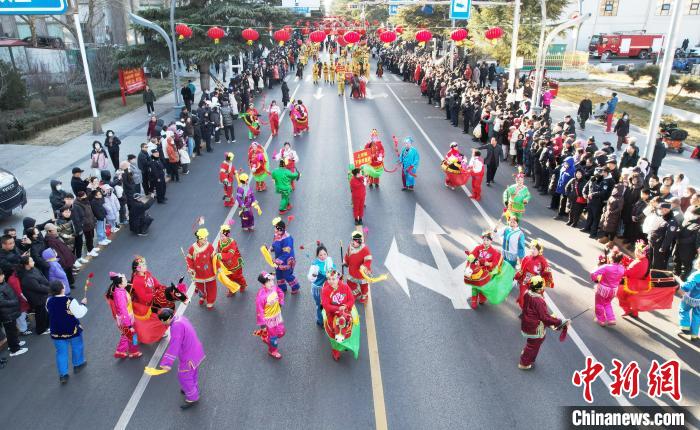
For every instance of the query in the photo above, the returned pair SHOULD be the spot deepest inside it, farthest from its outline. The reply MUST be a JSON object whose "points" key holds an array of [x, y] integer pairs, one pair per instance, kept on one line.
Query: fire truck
{"points": [[624, 45]]}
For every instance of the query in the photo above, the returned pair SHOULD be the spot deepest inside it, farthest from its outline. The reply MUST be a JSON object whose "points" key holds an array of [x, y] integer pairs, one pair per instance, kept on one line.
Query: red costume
{"points": [[476, 170], [227, 175], [358, 193], [488, 258], [636, 280], [200, 261], [331, 300], [531, 266], [232, 260], [534, 318], [300, 118], [376, 153], [148, 327], [356, 258], [274, 119]]}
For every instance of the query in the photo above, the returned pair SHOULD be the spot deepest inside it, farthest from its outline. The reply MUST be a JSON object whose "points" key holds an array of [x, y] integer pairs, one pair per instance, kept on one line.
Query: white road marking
{"points": [[604, 376], [135, 398], [308, 78]]}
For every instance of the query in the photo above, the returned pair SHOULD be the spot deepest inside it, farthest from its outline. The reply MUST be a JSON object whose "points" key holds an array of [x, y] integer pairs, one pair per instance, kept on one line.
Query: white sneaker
{"points": [[115, 229], [22, 343], [93, 253], [19, 352], [82, 260], [77, 264], [103, 242]]}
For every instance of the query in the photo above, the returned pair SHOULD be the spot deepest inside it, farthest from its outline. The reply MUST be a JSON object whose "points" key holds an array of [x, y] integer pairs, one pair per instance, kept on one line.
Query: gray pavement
{"points": [[440, 367]]}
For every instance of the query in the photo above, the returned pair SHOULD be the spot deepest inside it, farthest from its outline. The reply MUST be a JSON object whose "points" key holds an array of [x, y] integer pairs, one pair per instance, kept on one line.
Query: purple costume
{"points": [[608, 277], [245, 200], [185, 346]]}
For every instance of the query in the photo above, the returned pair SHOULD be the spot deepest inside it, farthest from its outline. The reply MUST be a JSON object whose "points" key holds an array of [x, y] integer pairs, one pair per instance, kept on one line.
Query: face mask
{"points": [[58, 187]]}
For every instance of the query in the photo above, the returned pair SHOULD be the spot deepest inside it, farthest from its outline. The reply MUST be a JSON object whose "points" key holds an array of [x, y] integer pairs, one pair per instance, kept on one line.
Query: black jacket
{"points": [[112, 148], [9, 304], [689, 234], [77, 185], [98, 209], [35, 286], [597, 190], [628, 160], [492, 157], [88, 216], [664, 235], [622, 128], [56, 197], [142, 161], [659, 154], [9, 259], [585, 109]]}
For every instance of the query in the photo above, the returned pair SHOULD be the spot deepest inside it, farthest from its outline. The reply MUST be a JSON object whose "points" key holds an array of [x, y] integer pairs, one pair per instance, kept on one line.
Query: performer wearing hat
{"points": [[489, 258], [534, 264], [409, 159], [143, 289], [251, 120], [513, 241], [636, 279], [339, 315], [358, 260], [299, 115], [119, 302], [230, 256], [516, 196], [476, 173], [607, 278], [227, 174], [268, 305], [283, 247], [358, 192], [317, 276], [340, 71], [290, 158], [245, 197], [200, 267], [283, 178], [689, 309], [534, 318], [184, 346], [374, 169]]}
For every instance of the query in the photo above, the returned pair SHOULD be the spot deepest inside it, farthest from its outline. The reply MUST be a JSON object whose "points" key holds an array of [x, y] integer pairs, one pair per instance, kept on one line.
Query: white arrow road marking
{"points": [[403, 268], [371, 95], [319, 93]]}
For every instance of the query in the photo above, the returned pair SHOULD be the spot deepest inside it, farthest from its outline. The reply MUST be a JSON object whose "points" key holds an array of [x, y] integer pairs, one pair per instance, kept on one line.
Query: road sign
{"points": [[393, 8], [302, 10], [460, 9], [33, 7]]}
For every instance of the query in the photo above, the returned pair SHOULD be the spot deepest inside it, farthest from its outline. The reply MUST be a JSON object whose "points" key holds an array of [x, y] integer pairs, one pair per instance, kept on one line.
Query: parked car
{"points": [[13, 197], [47, 42]]}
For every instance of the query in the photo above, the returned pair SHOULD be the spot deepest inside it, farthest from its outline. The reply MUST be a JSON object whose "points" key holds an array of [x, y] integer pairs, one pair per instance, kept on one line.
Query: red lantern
{"points": [[380, 30], [399, 30], [341, 41], [287, 28], [340, 31], [387, 36], [281, 36], [494, 33], [352, 37], [459, 35], [216, 34], [363, 31], [375, 22], [327, 30], [183, 31], [250, 35], [317, 36], [424, 36], [305, 31]]}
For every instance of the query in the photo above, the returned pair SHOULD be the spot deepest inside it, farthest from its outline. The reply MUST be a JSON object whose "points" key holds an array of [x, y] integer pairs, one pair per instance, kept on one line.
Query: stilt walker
{"points": [[259, 165], [200, 266], [476, 173], [268, 306], [409, 160], [119, 302], [299, 115], [534, 264], [227, 174], [229, 255]]}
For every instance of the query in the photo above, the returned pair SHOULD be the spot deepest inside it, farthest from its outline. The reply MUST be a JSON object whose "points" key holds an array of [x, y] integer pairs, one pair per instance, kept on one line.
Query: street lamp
{"points": [[96, 125]]}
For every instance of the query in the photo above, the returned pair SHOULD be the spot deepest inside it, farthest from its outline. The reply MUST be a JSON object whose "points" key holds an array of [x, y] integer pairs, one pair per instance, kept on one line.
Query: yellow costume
{"points": [[325, 72], [340, 71], [316, 73], [331, 69]]}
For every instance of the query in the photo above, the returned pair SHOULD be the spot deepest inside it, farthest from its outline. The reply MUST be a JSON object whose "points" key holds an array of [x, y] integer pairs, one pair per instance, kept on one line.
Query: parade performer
{"points": [[290, 158], [143, 289], [268, 305], [489, 259], [455, 167], [200, 266], [513, 241], [374, 169], [689, 309], [259, 165], [273, 115], [316, 72], [340, 318], [119, 302], [185, 347], [607, 278], [533, 320], [283, 248], [227, 174], [534, 264], [229, 255], [340, 71], [636, 280], [355, 86], [409, 160], [283, 185], [358, 192], [331, 69], [476, 173], [299, 115], [251, 120], [317, 276], [325, 73], [358, 260], [516, 196], [245, 197], [363, 86]]}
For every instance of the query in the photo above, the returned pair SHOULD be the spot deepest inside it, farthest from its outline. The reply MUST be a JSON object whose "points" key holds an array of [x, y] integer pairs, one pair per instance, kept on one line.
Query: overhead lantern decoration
{"points": [[399, 30], [387, 37], [317, 36], [375, 22], [327, 30], [250, 35], [216, 34], [459, 36], [352, 37], [305, 31], [287, 28], [380, 30], [494, 33], [423, 37], [281, 36], [340, 31], [363, 31], [341, 41], [183, 31]]}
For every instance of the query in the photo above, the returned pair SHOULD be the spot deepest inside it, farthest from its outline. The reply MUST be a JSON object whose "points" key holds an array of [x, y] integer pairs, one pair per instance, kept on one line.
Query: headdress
{"points": [[453, 145], [201, 233], [243, 177], [263, 277], [279, 224], [520, 174], [641, 247], [537, 245], [536, 283], [487, 235], [357, 235], [229, 156], [373, 133], [409, 140]]}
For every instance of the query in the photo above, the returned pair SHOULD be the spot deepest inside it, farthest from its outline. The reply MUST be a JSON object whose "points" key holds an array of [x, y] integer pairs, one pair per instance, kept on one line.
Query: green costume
{"points": [[515, 199], [283, 185]]}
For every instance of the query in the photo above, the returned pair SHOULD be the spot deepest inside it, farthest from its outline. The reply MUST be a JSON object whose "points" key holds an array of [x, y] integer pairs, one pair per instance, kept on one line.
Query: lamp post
{"points": [[512, 76], [96, 124], [174, 38]]}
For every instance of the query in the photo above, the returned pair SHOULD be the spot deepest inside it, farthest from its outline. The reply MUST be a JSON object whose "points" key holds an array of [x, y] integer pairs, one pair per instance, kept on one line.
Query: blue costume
{"points": [[689, 309], [317, 277], [513, 245], [283, 248], [410, 160]]}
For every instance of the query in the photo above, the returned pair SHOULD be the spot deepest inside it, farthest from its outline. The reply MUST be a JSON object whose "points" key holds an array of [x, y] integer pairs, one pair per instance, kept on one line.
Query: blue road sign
{"points": [[299, 10], [393, 8], [33, 7], [460, 9]]}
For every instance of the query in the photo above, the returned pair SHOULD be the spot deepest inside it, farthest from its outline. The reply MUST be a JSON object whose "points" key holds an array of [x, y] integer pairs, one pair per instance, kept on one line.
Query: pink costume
{"points": [[268, 304], [124, 316], [608, 277], [186, 347]]}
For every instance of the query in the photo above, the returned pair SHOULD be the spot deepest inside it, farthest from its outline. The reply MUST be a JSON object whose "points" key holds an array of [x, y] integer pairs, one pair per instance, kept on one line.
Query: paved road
{"points": [[439, 365]]}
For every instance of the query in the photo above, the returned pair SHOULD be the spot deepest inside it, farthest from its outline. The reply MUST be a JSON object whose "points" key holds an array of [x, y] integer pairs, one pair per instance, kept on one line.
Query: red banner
{"points": [[131, 81], [361, 157]]}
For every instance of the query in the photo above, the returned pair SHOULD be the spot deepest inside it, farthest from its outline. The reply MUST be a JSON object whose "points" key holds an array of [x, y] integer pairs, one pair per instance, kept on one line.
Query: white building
{"points": [[634, 16]]}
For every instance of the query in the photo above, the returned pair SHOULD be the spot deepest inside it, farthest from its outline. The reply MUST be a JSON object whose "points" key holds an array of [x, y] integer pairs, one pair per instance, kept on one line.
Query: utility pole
{"points": [[96, 125], [512, 76], [176, 69], [664, 75], [541, 52], [452, 50]]}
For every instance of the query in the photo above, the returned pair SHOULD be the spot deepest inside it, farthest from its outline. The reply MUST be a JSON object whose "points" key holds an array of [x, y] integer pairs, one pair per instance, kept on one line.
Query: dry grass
{"points": [[638, 115], [108, 110]]}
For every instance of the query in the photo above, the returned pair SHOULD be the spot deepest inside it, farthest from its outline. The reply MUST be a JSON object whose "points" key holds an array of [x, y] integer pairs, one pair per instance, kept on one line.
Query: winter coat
{"points": [[98, 160], [585, 109], [56, 272], [567, 172], [66, 231], [111, 203], [35, 286], [89, 220], [622, 127], [659, 154], [9, 304], [77, 185], [628, 160], [149, 96], [63, 250], [613, 211], [228, 115], [56, 197], [574, 190], [689, 233], [98, 208], [35, 251]]}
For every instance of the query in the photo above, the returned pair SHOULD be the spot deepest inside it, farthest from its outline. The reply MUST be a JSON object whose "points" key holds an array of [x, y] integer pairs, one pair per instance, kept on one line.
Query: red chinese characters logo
{"points": [[626, 379], [586, 376], [664, 379]]}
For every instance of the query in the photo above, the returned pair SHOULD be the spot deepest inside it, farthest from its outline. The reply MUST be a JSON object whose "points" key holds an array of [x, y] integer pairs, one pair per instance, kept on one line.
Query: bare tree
{"points": [[93, 18], [30, 20]]}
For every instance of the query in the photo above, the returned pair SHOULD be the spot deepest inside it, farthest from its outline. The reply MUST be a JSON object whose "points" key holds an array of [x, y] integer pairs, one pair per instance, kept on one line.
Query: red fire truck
{"points": [[624, 45]]}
